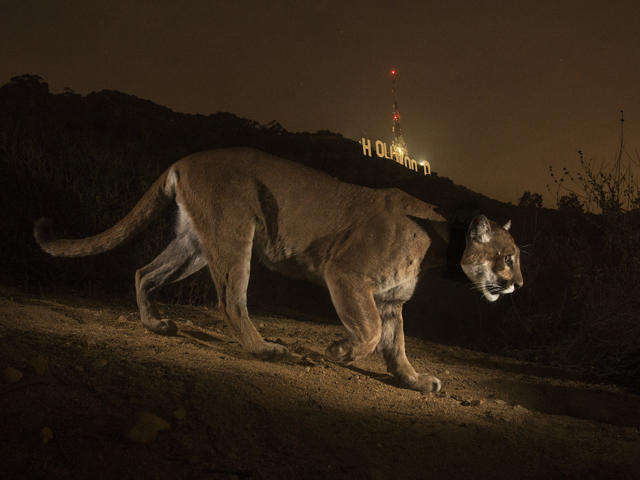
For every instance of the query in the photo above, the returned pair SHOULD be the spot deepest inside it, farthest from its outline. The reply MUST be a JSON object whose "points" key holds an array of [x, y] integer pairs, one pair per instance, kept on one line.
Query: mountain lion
{"points": [[366, 245]]}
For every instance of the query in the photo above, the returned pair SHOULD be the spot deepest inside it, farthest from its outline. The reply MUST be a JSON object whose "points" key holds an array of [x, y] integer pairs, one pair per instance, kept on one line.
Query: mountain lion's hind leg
{"points": [[181, 258], [357, 311], [391, 347], [230, 262]]}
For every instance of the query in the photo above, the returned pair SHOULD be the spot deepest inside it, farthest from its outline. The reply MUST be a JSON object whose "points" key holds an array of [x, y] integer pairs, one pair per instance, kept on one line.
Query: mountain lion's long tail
{"points": [[152, 202]]}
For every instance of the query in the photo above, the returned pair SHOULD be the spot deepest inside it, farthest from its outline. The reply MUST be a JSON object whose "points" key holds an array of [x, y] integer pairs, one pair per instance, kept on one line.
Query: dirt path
{"points": [[88, 370]]}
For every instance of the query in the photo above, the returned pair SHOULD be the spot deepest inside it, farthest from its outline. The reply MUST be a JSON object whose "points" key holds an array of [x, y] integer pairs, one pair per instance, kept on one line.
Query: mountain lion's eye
{"points": [[508, 261]]}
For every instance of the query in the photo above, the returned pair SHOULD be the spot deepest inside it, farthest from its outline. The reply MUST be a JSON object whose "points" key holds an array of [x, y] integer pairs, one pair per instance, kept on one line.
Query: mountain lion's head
{"points": [[491, 258]]}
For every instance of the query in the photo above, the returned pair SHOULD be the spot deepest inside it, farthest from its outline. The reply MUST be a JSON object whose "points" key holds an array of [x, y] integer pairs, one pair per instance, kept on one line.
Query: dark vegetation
{"points": [[85, 160]]}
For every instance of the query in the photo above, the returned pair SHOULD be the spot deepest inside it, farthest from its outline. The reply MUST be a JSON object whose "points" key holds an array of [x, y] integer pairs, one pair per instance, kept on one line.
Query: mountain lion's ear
{"points": [[480, 229], [507, 225]]}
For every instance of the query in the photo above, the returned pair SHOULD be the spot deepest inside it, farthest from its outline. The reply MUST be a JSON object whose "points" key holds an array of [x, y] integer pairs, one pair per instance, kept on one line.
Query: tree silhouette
{"points": [[530, 200], [570, 204]]}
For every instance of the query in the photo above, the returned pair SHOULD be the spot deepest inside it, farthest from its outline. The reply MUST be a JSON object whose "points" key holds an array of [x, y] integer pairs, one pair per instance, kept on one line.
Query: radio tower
{"points": [[398, 145]]}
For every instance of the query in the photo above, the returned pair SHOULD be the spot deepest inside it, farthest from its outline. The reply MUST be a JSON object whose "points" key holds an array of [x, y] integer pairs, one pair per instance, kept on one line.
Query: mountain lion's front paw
{"points": [[425, 384]]}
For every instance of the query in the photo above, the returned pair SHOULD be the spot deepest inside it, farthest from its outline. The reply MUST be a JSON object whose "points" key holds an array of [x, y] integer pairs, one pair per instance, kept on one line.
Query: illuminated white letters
{"points": [[409, 163], [383, 151], [380, 148], [366, 147]]}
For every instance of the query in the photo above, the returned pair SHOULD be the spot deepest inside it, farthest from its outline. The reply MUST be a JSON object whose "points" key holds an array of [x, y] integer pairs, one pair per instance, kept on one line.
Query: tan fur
{"points": [[491, 259], [366, 246]]}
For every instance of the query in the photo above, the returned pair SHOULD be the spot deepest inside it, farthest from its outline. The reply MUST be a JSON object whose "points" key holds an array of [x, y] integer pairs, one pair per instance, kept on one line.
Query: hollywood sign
{"points": [[383, 151]]}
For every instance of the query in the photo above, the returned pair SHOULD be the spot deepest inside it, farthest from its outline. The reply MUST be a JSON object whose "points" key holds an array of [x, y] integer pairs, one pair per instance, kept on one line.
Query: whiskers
{"points": [[491, 287], [523, 248]]}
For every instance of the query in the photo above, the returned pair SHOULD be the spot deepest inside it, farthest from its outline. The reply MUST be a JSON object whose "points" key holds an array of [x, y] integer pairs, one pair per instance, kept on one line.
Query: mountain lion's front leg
{"points": [[391, 347]]}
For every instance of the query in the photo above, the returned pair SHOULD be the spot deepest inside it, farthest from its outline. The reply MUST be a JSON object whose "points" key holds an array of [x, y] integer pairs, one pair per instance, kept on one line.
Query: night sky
{"points": [[491, 93]]}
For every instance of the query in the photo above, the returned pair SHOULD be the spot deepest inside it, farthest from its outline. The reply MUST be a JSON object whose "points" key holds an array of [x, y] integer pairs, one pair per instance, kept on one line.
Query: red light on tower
{"points": [[393, 71], [395, 116]]}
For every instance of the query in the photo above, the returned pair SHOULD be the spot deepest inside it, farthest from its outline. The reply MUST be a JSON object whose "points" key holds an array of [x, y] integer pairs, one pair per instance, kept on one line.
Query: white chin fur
{"points": [[508, 290], [492, 297]]}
